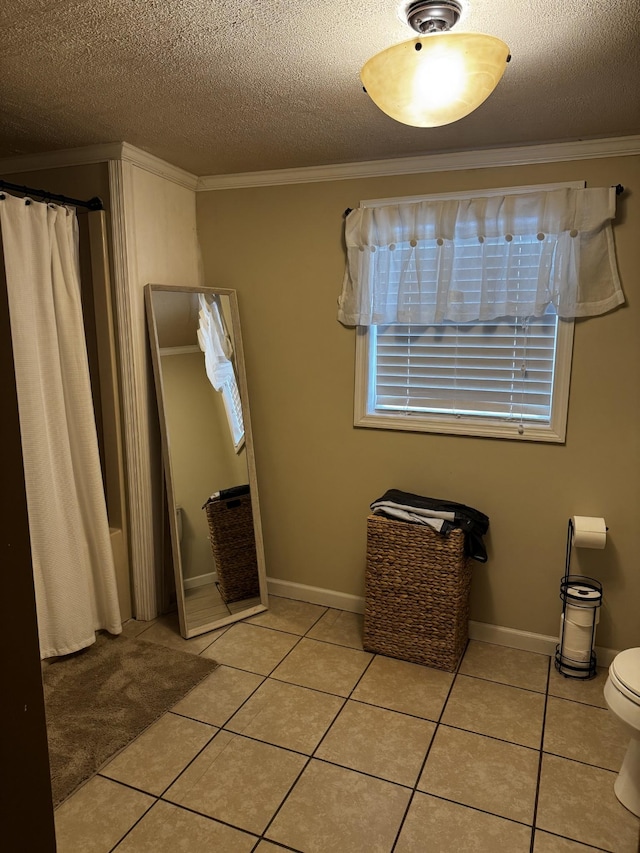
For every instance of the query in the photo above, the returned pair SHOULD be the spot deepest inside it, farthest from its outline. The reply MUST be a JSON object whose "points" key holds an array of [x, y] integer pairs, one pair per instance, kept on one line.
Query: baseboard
{"points": [[200, 580], [513, 638], [316, 595]]}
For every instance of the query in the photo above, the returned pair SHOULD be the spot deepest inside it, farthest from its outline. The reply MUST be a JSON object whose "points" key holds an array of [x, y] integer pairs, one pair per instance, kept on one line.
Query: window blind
{"points": [[500, 370], [233, 408]]}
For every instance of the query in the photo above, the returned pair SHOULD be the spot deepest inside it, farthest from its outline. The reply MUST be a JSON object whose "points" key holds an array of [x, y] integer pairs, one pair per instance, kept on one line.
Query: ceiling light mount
{"points": [[433, 16]]}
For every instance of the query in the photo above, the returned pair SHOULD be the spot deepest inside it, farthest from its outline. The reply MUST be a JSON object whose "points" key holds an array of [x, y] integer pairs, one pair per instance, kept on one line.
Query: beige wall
{"points": [[281, 248], [203, 459]]}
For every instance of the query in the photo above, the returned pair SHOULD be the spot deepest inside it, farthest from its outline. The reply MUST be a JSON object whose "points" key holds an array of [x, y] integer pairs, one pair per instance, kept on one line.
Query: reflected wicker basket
{"points": [[417, 593], [233, 544]]}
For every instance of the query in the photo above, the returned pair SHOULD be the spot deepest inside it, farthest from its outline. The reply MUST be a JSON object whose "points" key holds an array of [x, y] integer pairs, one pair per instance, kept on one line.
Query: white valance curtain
{"points": [[460, 260], [73, 569]]}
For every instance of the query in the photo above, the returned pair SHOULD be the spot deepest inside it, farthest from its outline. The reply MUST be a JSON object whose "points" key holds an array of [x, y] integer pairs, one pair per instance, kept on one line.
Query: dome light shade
{"points": [[435, 79]]}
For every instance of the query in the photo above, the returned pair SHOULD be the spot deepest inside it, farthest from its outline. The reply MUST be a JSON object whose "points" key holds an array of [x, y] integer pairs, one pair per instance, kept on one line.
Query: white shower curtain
{"points": [[73, 568]]}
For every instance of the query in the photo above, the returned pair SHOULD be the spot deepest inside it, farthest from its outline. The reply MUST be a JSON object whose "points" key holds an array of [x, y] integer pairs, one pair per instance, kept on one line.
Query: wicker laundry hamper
{"points": [[233, 544], [417, 593]]}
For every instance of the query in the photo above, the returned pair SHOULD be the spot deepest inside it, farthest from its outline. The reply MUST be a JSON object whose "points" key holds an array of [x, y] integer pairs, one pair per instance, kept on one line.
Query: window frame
{"points": [[468, 425]]}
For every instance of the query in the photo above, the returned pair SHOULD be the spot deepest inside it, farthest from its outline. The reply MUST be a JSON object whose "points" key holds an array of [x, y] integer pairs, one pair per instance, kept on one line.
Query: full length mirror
{"points": [[209, 468]]}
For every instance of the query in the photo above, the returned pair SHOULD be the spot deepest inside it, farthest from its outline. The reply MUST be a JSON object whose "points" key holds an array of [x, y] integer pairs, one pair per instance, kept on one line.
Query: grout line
{"points": [[197, 755], [209, 817], [131, 828], [311, 756], [583, 763], [537, 796], [501, 683], [424, 762]]}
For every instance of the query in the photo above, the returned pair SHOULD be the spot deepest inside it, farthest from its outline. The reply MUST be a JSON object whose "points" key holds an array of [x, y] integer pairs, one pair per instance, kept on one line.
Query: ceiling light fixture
{"points": [[440, 76]]}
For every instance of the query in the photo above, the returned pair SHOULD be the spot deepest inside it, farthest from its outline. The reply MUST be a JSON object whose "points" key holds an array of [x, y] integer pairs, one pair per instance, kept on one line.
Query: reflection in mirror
{"points": [[208, 457]]}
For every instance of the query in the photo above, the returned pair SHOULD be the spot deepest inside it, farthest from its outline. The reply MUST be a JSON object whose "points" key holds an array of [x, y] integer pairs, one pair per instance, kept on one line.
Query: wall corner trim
{"points": [[133, 375], [484, 158]]}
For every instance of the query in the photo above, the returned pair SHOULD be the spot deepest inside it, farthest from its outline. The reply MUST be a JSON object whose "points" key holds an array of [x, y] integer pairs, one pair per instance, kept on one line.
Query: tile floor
{"points": [[302, 741]]}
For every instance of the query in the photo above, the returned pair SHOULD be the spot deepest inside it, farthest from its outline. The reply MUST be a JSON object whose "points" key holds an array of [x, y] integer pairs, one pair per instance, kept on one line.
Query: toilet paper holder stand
{"points": [[581, 600]]}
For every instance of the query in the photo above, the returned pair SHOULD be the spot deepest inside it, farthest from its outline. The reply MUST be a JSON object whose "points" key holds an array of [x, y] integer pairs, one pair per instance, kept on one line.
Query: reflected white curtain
{"points": [[75, 584], [480, 258], [215, 343]]}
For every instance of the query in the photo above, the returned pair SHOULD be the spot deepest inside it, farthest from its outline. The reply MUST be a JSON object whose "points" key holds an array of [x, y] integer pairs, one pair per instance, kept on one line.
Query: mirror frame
{"points": [[149, 290]]}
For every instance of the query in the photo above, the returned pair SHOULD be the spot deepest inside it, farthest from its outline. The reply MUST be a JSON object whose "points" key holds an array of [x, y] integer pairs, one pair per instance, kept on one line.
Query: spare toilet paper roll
{"points": [[577, 640], [589, 532], [581, 602]]}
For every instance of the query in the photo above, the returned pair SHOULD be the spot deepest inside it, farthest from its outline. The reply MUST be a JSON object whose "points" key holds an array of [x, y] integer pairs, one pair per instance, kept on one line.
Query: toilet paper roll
{"points": [[589, 532], [577, 640], [581, 602], [578, 616]]}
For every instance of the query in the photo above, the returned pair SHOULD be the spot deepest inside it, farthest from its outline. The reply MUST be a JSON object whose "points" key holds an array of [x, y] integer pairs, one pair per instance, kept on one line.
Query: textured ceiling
{"points": [[224, 86]]}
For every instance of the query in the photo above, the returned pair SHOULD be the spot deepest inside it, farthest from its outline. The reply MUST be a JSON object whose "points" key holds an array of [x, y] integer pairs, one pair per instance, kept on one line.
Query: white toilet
{"points": [[622, 695]]}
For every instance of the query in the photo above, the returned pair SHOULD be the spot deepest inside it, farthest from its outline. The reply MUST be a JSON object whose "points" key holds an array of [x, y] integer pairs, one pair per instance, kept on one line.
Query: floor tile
{"points": [[584, 733], [333, 810], [166, 631], [546, 843], [587, 690], [323, 666], [133, 628], [482, 772], [238, 781], [377, 741], [251, 648], [159, 754], [97, 816], [496, 710], [285, 614], [287, 715], [451, 827], [405, 687], [219, 695], [269, 847], [341, 627], [168, 829], [577, 802], [505, 665]]}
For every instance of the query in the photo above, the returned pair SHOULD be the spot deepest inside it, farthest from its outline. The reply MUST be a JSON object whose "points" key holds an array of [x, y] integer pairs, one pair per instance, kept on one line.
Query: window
{"points": [[465, 304], [506, 378]]}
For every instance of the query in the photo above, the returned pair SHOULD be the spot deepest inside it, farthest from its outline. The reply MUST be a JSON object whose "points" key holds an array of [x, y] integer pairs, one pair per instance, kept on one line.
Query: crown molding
{"points": [[453, 161], [159, 167], [99, 154]]}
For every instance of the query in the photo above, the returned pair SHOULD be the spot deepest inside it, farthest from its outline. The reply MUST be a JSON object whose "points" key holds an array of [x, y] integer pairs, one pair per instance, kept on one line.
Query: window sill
{"points": [[462, 426]]}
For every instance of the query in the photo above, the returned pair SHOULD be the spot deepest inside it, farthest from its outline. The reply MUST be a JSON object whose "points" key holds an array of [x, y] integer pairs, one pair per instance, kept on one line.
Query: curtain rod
{"points": [[93, 203], [618, 187]]}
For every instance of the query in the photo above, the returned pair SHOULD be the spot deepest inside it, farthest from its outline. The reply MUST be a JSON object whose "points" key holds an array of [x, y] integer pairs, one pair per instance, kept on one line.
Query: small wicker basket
{"points": [[417, 593], [233, 544]]}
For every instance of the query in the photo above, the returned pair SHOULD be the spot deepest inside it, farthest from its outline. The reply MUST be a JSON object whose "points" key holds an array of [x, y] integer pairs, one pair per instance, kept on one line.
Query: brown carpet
{"points": [[101, 698]]}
